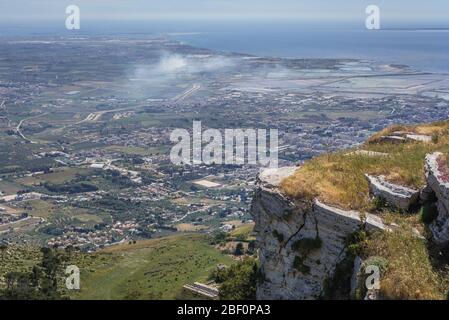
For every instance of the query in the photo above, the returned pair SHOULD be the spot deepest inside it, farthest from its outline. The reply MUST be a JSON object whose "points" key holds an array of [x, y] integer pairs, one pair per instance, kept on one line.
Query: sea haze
{"points": [[424, 48]]}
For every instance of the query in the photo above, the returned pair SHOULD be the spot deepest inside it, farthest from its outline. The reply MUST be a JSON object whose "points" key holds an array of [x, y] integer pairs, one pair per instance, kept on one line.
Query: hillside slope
{"points": [[152, 269]]}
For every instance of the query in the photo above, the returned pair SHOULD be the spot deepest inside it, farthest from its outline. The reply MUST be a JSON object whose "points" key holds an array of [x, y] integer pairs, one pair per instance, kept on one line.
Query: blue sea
{"points": [[425, 48]]}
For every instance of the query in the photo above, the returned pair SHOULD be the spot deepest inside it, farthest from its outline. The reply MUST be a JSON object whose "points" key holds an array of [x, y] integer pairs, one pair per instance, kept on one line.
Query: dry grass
{"points": [[188, 227], [443, 164], [338, 178], [426, 129], [409, 273]]}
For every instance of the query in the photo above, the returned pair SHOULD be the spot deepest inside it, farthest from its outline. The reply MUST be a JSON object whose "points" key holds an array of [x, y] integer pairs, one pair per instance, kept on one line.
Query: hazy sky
{"points": [[401, 11]]}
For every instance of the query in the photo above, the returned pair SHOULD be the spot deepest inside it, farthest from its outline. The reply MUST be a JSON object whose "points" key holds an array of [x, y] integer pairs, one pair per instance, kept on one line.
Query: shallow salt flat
{"points": [[436, 94], [397, 84]]}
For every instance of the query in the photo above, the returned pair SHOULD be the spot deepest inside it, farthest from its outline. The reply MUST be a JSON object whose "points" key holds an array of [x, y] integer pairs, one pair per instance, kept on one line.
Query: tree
{"points": [[239, 281], [238, 249], [40, 283], [251, 247]]}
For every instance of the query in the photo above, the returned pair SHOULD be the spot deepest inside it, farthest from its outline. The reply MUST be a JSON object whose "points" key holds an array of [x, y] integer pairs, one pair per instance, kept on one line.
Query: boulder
{"points": [[404, 136], [439, 185], [392, 139], [419, 137], [396, 196], [368, 153]]}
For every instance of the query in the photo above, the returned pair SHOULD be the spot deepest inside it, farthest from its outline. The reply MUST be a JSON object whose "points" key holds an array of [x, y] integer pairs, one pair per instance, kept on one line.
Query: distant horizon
{"points": [[413, 14], [167, 26]]}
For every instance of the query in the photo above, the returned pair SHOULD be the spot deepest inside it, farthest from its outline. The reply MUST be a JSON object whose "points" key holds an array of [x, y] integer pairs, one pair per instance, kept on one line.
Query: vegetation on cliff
{"points": [[238, 282], [339, 178], [411, 273], [417, 268]]}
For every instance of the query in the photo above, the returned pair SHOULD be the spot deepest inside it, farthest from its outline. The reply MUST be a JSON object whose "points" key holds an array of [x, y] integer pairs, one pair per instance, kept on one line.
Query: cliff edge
{"points": [[303, 240]]}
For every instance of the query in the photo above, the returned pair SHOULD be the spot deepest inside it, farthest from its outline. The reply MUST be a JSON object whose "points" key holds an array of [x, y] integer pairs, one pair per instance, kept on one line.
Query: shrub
{"points": [[287, 214], [239, 281], [306, 245], [218, 237], [435, 138], [299, 265], [379, 203], [278, 235], [238, 249], [380, 262], [429, 212]]}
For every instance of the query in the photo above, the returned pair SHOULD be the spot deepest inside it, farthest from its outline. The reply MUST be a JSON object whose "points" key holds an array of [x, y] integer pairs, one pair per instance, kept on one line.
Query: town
{"points": [[85, 154]]}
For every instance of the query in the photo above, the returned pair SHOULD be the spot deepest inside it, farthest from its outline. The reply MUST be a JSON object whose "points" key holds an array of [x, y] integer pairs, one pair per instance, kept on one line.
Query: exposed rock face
{"points": [[412, 136], [440, 227], [356, 276], [300, 242], [395, 195], [404, 136], [368, 153], [419, 137], [392, 139]]}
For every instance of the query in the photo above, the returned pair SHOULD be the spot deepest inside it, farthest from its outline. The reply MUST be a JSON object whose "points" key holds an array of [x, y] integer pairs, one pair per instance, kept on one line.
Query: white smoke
{"points": [[170, 66]]}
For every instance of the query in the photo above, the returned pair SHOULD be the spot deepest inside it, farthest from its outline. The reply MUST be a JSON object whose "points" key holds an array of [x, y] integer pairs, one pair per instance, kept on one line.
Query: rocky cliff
{"points": [[440, 188], [304, 242], [300, 242]]}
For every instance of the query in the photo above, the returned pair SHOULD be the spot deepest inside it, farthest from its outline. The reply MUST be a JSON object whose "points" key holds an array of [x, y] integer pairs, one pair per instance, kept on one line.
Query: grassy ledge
{"points": [[338, 179]]}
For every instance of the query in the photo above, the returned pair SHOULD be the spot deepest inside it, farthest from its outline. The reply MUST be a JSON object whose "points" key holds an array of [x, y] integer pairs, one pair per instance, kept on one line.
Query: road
{"points": [[20, 133], [195, 87]]}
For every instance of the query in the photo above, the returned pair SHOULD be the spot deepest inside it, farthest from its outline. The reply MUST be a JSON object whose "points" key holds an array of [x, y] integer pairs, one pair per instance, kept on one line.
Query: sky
{"points": [[408, 12]]}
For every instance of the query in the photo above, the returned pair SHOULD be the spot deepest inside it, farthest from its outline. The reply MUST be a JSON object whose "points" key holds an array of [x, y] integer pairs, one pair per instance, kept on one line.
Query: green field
{"points": [[60, 175], [151, 269], [138, 150]]}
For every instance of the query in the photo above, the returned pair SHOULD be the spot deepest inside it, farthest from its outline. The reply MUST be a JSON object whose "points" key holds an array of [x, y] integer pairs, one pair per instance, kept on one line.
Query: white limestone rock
{"points": [[394, 195], [356, 276], [393, 139], [439, 227], [274, 176], [280, 222], [419, 137], [368, 153]]}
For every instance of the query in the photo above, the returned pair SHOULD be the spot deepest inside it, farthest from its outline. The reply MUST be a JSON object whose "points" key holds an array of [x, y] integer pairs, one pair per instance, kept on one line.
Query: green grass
{"points": [[39, 208], [152, 269], [18, 259], [59, 176], [409, 273], [243, 232], [8, 187], [338, 178]]}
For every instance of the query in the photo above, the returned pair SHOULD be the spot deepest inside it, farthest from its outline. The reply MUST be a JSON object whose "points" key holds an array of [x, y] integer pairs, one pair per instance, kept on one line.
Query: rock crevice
{"points": [[440, 187]]}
